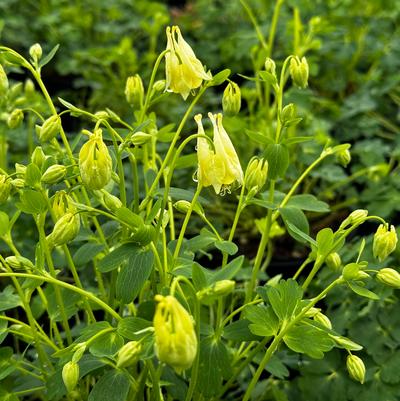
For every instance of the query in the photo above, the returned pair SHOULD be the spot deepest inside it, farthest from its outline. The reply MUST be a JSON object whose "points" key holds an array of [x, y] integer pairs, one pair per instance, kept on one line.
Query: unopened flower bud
{"points": [[231, 99], [95, 163], [270, 66], [140, 138], [351, 271], [344, 157], [19, 262], [49, 129], [70, 375], [54, 174], [35, 52], [312, 312], [134, 90], [323, 319], [159, 85], [102, 115], [175, 337], [79, 350], [333, 261], [299, 71], [182, 206], [219, 289], [15, 118], [62, 204], [65, 230], [3, 82], [354, 218], [257, 172], [129, 354], [385, 242], [18, 183], [356, 368], [5, 188], [288, 113], [29, 87], [38, 157], [110, 201], [20, 170], [389, 277]]}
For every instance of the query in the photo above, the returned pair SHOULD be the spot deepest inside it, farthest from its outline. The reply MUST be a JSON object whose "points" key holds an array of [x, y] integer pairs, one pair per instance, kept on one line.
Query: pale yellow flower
{"points": [[176, 341], [183, 69], [219, 167]]}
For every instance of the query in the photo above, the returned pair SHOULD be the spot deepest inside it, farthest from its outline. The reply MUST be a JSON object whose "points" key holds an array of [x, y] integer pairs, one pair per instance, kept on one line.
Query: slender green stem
{"points": [[255, 24], [274, 24]]}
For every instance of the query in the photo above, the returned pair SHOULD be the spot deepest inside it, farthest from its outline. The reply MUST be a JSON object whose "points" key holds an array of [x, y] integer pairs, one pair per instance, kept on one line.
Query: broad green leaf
{"points": [[112, 386], [308, 340], [9, 299], [201, 241], [277, 368], [199, 277], [239, 331], [220, 77], [32, 202], [32, 175], [258, 137], [228, 272], [297, 218], [130, 327], [117, 256], [390, 372], [107, 344], [264, 321], [130, 219], [214, 366], [6, 364], [362, 291], [285, 298], [308, 202], [268, 77], [226, 246], [86, 253], [278, 160], [131, 278]]}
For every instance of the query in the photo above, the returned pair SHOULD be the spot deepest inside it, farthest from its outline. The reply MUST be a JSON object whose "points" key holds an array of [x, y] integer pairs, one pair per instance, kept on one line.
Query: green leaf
{"points": [[130, 219], [86, 253], [199, 277], [277, 368], [228, 272], [214, 366], [32, 175], [117, 256], [308, 202], [362, 291], [297, 139], [220, 77], [390, 372], [226, 246], [308, 340], [292, 216], [6, 364], [112, 386], [107, 344], [8, 299], [278, 160], [258, 137], [239, 331], [285, 298], [3, 329], [4, 223], [268, 77], [49, 56], [130, 326], [201, 241], [131, 278], [324, 240], [264, 321], [32, 202], [68, 105]]}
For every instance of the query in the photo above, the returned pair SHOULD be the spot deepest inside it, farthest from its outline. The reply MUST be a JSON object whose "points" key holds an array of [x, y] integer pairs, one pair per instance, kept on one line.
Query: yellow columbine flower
{"points": [[220, 168], [176, 341], [183, 69]]}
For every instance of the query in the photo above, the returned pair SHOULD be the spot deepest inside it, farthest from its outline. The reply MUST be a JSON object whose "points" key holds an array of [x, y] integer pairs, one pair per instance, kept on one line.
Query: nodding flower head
{"points": [[184, 71]]}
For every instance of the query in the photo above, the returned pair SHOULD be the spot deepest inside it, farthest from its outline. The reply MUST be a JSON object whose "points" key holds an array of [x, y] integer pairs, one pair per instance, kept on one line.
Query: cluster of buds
{"points": [[95, 163], [231, 99], [176, 341], [184, 71], [385, 241], [256, 174], [220, 167], [299, 71]]}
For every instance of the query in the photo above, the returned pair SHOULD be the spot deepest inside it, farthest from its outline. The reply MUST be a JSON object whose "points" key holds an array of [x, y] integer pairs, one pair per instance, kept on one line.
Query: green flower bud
{"points": [[231, 99], [95, 162], [159, 85], [140, 138], [79, 350], [175, 337], [128, 354], [385, 242], [323, 319], [54, 174], [18, 183], [65, 230], [5, 188], [20, 170], [270, 66], [35, 52], [102, 115], [29, 87], [111, 202], [354, 218], [62, 204], [351, 271], [256, 174], [288, 113], [219, 289], [3, 82], [50, 128], [389, 277], [333, 261], [38, 157], [15, 118], [299, 71], [70, 375], [182, 206], [134, 91], [343, 157], [312, 312], [356, 368], [19, 262]]}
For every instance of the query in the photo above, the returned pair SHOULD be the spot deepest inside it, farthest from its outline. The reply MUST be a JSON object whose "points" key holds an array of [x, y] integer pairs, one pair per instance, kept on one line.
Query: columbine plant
{"points": [[114, 300]]}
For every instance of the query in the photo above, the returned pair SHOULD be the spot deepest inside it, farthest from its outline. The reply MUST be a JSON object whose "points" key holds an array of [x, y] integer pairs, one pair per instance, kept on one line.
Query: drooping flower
{"points": [[219, 167], [176, 341], [183, 69]]}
